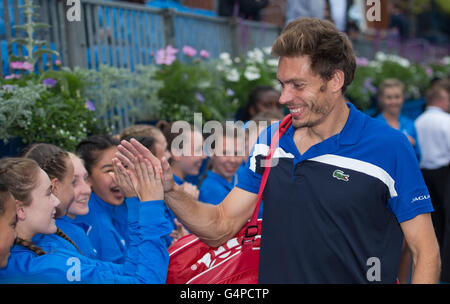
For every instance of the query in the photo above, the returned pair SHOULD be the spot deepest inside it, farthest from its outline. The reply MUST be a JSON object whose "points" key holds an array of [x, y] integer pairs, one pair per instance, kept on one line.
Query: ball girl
{"points": [[147, 257], [107, 215]]}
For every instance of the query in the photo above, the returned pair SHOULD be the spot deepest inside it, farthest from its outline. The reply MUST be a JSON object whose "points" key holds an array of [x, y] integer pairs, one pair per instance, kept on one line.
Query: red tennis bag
{"points": [[191, 261]]}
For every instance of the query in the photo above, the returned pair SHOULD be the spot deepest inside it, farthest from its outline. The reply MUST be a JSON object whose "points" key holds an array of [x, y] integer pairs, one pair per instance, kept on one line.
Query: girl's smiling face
{"points": [[101, 180], [81, 189], [40, 214]]}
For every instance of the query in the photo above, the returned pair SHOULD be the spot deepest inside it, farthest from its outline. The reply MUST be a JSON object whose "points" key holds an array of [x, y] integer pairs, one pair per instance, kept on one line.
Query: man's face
{"points": [[304, 93]]}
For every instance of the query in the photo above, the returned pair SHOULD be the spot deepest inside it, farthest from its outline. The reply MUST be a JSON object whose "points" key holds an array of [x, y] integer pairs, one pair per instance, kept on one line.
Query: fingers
{"points": [[137, 148]]}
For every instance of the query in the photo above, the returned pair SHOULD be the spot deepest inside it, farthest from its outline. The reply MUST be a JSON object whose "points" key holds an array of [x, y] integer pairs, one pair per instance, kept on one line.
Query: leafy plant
{"points": [[193, 86], [34, 48], [49, 108], [242, 74]]}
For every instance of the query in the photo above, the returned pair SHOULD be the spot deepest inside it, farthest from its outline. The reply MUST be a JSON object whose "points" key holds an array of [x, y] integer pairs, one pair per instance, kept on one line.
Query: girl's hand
{"points": [[123, 179], [190, 189], [133, 148], [178, 233], [148, 183]]}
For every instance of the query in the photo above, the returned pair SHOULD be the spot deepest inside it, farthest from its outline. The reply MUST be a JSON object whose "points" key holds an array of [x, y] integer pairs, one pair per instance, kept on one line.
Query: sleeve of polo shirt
{"points": [[412, 197], [249, 178]]}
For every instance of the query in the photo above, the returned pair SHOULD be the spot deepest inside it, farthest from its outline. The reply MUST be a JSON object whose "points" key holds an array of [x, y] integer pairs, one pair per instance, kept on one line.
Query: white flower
{"points": [[277, 85], [237, 59], [445, 60], [225, 58], [252, 73], [255, 56], [404, 62], [272, 62], [232, 75], [380, 56], [267, 50]]}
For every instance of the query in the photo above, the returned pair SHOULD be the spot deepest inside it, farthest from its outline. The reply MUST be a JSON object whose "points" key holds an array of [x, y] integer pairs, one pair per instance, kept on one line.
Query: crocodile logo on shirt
{"points": [[339, 174]]}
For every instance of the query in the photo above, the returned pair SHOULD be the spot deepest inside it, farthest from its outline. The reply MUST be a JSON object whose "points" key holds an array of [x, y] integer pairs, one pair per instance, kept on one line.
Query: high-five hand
{"points": [[133, 149]]}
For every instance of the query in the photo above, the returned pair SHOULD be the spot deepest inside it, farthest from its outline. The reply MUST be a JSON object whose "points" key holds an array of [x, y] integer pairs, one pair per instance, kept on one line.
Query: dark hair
{"points": [[253, 97], [89, 150], [52, 159], [5, 195], [147, 141], [328, 49], [141, 130]]}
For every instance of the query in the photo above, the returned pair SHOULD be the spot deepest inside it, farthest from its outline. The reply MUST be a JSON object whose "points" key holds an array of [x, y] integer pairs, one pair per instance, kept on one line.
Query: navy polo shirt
{"points": [[331, 212]]}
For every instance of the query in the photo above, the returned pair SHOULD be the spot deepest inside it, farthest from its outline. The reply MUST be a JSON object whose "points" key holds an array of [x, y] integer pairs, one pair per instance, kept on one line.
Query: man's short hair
{"points": [[328, 49], [434, 92]]}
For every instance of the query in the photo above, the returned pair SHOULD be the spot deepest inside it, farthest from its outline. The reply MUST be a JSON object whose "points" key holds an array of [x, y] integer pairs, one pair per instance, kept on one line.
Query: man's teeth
{"points": [[295, 110]]}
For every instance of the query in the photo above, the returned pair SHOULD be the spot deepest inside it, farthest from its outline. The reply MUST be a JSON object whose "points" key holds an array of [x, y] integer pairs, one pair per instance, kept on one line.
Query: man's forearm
{"points": [[426, 269], [199, 218]]}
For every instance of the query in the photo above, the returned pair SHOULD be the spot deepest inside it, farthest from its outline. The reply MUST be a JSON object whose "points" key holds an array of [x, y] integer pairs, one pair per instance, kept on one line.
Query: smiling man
{"points": [[344, 190]]}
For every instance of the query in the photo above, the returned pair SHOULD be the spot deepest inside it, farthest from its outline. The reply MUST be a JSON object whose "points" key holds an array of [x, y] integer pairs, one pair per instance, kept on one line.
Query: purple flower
{"points": [[230, 92], [49, 82], [8, 87], [204, 54], [369, 86], [429, 71], [200, 97], [189, 51], [90, 105], [361, 61]]}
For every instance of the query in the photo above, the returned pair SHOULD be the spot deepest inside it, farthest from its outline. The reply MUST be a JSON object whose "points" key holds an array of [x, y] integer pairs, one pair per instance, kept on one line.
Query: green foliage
{"points": [[190, 88], [38, 111], [370, 74], [35, 48]]}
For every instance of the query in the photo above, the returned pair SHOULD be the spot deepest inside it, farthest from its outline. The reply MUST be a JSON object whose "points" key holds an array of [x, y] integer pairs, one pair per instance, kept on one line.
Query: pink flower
{"points": [[171, 50], [12, 76], [189, 51], [361, 61], [17, 65], [166, 56], [27, 66], [204, 54], [58, 62], [429, 71]]}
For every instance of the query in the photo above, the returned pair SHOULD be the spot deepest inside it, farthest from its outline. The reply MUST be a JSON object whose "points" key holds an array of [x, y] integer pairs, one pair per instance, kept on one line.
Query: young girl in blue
{"points": [[107, 212], [226, 159], [390, 102], [147, 257], [58, 166], [78, 232]]}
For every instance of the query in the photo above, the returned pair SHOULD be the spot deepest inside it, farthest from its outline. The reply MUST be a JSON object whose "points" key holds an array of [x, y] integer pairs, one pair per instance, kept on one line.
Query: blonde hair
{"points": [[390, 83]]}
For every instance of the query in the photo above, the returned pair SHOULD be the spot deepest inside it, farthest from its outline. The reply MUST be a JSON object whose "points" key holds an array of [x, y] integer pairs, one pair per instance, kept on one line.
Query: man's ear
{"points": [[20, 210], [337, 81]]}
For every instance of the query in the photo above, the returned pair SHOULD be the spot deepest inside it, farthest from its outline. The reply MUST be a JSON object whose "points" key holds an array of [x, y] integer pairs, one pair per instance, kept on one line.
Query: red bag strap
{"points": [[284, 126]]}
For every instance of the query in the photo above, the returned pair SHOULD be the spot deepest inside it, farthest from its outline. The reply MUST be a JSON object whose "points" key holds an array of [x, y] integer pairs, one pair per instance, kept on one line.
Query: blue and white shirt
{"points": [[329, 211]]}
